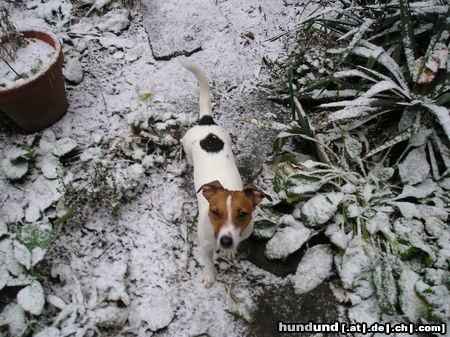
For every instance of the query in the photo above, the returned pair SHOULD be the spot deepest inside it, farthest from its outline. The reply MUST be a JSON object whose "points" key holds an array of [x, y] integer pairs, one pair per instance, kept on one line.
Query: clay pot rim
{"points": [[54, 60]]}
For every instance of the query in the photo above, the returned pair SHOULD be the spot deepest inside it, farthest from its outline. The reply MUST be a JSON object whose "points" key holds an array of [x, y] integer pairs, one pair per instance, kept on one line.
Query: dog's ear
{"points": [[255, 194], [210, 189]]}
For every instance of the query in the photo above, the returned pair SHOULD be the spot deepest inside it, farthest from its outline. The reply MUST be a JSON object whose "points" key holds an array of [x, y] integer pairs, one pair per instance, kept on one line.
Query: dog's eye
{"points": [[242, 214], [215, 212]]}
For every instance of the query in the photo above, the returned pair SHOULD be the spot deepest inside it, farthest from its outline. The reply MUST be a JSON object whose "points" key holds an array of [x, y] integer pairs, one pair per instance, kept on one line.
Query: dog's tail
{"points": [[205, 98]]}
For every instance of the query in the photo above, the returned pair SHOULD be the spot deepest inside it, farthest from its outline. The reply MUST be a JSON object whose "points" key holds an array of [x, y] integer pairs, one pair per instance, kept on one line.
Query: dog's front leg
{"points": [[230, 254], [209, 272]]}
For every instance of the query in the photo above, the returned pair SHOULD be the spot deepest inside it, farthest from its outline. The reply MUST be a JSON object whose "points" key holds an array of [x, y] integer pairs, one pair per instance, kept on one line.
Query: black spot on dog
{"points": [[206, 120], [211, 143]]}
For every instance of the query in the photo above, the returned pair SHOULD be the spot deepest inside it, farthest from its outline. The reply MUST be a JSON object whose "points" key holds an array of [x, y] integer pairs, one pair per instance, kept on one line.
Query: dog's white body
{"points": [[209, 167]]}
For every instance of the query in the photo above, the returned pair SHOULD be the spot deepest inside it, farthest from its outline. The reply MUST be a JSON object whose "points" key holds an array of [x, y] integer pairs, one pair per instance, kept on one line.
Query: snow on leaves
{"points": [[309, 273], [321, 208], [31, 298], [288, 239], [357, 214], [15, 163], [415, 168]]}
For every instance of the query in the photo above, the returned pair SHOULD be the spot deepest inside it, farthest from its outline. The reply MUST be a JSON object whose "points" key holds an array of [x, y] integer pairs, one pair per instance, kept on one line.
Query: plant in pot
{"points": [[32, 91]]}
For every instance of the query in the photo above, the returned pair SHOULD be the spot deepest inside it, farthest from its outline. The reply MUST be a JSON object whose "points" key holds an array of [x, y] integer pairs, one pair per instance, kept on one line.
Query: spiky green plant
{"points": [[367, 68], [374, 77]]}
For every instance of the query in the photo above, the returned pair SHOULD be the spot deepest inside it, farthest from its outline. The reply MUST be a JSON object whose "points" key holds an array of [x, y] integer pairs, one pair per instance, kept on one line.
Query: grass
{"points": [[97, 191]]}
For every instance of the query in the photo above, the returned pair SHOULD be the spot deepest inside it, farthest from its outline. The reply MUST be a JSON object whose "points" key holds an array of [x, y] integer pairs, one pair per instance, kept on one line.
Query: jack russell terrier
{"points": [[225, 206]]}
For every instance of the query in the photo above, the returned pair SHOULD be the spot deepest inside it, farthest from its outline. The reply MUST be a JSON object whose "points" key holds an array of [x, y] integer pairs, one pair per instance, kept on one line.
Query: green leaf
{"points": [[400, 137], [291, 93], [35, 235], [409, 43], [368, 50], [385, 287], [442, 115], [360, 31], [293, 130]]}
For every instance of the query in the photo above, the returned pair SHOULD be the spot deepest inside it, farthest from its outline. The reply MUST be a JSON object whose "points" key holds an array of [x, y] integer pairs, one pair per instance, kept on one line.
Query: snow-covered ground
{"points": [[139, 272]]}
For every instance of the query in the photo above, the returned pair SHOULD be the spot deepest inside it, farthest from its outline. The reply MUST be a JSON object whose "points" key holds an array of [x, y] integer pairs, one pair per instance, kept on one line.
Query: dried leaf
{"points": [[145, 96]]}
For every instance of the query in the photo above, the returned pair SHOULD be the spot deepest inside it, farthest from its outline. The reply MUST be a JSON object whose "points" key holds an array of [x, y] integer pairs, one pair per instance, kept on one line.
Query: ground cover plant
{"points": [[72, 186], [374, 78], [65, 182]]}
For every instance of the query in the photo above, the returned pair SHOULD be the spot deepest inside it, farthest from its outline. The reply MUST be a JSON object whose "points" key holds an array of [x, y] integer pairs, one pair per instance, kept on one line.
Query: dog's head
{"points": [[230, 212]]}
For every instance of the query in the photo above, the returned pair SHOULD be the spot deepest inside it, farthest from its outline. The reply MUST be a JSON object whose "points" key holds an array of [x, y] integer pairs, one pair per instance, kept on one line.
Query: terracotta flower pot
{"points": [[41, 100]]}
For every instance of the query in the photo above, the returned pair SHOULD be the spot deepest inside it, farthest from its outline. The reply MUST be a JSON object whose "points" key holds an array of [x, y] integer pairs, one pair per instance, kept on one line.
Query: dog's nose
{"points": [[226, 241]]}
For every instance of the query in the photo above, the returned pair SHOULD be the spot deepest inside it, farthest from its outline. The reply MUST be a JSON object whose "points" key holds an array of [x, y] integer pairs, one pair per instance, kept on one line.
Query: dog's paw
{"points": [[208, 280], [230, 254]]}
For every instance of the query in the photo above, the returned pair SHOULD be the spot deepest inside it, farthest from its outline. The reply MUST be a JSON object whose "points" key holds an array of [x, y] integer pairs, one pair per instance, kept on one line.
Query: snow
{"points": [[156, 311], [412, 306], [13, 316], [335, 232], [49, 165], [3, 228], [49, 332], [442, 115], [414, 168], [73, 70], [321, 208], [4, 275], [367, 311], [356, 261], [11, 212], [14, 165], [419, 191], [30, 60], [309, 272], [31, 298], [22, 254], [412, 210], [64, 146], [114, 21], [287, 239]]}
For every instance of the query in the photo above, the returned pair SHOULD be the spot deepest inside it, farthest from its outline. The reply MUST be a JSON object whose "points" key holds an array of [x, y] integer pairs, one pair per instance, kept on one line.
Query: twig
{"points": [[101, 92]]}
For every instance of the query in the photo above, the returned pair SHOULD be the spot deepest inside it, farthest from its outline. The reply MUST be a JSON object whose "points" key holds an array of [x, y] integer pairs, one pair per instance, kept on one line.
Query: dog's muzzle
{"points": [[226, 241]]}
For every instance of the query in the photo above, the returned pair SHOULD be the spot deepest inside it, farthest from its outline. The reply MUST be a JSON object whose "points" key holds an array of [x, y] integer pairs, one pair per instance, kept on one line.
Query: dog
{"points": [[225, 206]]}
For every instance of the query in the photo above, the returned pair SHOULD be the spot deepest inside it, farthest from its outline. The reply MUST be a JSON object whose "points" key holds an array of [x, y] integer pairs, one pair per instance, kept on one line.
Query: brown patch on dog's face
{"points": [[241, 210], [231, 207], [218, 213]]}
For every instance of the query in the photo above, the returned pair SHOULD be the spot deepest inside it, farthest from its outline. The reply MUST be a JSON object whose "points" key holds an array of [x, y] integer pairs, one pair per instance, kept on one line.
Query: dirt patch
{"points": [[283, 304]]}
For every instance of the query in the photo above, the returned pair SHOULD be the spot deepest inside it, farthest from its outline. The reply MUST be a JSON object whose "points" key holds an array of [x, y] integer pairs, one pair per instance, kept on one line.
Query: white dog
{"points": [[225, 206]]}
